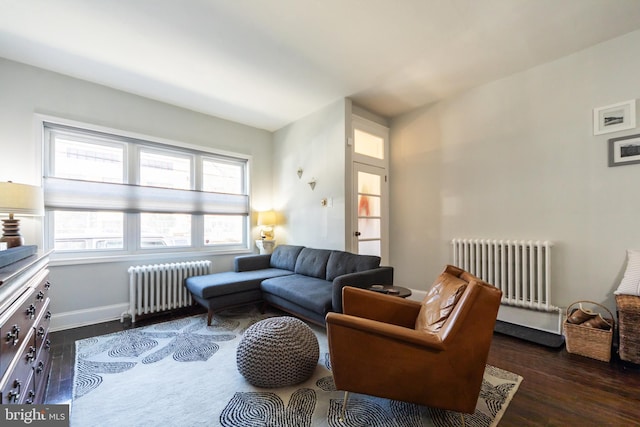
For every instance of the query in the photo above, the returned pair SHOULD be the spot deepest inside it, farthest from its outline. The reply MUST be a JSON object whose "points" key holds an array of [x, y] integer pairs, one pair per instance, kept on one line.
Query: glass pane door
{"points": [[370, 227]]}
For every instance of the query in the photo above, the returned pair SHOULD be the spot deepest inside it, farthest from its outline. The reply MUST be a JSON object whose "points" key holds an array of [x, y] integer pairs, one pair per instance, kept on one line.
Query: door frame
{"points": [[357, 161]]}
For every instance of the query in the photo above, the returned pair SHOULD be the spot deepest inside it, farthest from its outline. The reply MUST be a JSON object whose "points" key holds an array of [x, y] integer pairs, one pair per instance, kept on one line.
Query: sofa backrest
{"points": [[313, 262], [285, 256], [341, 262]]}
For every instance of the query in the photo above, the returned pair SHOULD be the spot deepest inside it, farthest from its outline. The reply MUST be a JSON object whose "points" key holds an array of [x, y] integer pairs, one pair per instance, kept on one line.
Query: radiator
{"points": [[160, 287], [520, 269]]}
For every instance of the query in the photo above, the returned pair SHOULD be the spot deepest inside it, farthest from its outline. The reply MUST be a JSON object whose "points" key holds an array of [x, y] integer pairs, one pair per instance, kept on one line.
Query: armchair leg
{"points": [[344, 407]]}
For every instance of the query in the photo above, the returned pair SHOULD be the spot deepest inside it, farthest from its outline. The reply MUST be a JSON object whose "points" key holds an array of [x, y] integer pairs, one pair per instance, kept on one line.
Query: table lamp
{"points": [[267, 220], [18, 199]]}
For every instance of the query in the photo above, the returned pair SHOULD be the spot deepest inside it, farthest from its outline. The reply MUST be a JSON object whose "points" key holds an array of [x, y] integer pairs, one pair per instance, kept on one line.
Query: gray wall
{"points": [[517, 159], [315, 143], [93, 292]]}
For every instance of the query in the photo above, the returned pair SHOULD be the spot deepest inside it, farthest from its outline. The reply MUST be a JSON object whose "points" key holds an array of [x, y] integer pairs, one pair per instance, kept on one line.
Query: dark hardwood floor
{"points": [[562, 389], [559, 389]]}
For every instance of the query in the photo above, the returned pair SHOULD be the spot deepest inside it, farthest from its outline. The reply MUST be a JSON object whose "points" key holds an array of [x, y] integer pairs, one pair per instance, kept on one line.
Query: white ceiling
{"points": [[267, 63]]}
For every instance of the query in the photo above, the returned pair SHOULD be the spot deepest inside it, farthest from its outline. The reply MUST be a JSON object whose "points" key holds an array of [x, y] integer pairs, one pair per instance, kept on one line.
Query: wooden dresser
{"points": [[24, 330]]}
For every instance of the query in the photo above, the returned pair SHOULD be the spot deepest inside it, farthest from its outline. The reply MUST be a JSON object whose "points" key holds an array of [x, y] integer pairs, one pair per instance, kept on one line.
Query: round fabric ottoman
{"points": [[277, 352]]}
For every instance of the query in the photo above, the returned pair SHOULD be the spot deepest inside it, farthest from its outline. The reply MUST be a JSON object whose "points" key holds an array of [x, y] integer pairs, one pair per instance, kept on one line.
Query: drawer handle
{"points": [[40, 296], [47, 285], [47, 344], [40, 332], [40, 367], [48, 315], [32, 395], [31, 355], [15, 395], [31, 311], [14, 336]]}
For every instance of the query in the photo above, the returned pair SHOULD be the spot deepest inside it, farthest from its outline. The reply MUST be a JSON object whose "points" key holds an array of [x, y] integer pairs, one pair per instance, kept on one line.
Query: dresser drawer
{"points": [[42, 290], [15, 330], [25, 355], [42, 326], [29, 396], [40, 375], [15, 382]]}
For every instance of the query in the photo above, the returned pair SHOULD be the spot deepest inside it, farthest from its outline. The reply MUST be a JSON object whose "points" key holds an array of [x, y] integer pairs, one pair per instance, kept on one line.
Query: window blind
{"points": [[69, 194]]}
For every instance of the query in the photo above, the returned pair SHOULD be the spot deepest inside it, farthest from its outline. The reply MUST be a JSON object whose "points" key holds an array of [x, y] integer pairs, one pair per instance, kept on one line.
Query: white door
{"points": [[370, 211], [370, 208]]}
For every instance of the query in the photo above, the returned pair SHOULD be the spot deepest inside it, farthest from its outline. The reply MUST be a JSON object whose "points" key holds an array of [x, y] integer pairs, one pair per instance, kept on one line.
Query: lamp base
{"points": [[11, 233], [265, 246], [12, 241]]}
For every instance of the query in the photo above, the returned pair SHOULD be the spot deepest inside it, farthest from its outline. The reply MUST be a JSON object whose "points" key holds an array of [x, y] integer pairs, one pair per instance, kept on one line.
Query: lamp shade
{"points": [[21, 199], [266, 218]]}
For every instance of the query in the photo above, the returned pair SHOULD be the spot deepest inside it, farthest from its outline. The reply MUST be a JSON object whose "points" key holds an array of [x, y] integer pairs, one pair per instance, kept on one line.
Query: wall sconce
{"points": [[299, 173], [18, 199], [267, 220], [312, 183]]}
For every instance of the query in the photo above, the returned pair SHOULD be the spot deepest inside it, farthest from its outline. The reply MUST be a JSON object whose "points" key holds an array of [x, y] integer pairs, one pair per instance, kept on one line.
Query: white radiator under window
{"points": [[521, 269], [160, 287]]}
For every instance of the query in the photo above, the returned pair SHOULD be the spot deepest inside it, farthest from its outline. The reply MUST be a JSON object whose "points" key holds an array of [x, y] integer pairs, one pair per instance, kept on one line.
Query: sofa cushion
{"points": [[251, 262], [309, 292], [285, 256], [341, 262], [230, 282], [313, 262], [439, 302]]}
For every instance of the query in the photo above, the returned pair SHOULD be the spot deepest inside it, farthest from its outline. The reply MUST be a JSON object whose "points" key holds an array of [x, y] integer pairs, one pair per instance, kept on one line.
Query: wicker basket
{"points": [[629, 327], [587, 341]]}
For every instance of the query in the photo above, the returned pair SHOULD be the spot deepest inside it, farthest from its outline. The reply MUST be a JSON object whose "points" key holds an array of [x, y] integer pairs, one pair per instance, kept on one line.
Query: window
{"points": [[111, 194], [368, 144]]}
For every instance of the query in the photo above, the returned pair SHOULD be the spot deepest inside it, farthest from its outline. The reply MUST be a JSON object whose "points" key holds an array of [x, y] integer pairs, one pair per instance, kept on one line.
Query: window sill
{"points": [[70, 259]]}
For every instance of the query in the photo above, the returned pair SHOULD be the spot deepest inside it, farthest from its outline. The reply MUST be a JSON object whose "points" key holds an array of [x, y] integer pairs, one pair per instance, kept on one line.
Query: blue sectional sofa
{"points": [[303, 281]]}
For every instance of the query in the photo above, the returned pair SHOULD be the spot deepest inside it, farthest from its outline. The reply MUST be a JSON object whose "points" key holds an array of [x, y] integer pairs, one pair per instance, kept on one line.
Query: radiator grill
{"points": [[521, 269], [160, 287]]}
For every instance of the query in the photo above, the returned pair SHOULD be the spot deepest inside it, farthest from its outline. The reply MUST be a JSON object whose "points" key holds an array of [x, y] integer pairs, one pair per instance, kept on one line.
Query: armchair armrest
{"points": [[252, 262], [380, 307], [361, 279], [388, 331]]}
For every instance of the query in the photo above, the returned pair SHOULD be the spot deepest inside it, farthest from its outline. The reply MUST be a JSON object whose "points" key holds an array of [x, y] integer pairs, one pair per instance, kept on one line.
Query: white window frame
{"points": [[135, 143]]}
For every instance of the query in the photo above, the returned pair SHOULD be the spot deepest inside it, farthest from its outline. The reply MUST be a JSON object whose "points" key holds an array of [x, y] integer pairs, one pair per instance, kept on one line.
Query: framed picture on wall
{"points": [[613, 118], [624, 150]]}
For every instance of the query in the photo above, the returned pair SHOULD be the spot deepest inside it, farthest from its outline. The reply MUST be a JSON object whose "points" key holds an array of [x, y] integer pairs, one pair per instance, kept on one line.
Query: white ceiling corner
{"points": [[268, 63]]}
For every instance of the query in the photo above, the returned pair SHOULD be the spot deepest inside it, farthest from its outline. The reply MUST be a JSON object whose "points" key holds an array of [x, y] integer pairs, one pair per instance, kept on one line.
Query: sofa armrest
{"points": [[361, 279], [252, 262]]}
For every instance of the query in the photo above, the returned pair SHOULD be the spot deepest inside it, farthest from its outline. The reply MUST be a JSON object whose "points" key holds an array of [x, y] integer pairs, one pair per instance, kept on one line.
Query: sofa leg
{"points": [[209, 316], [462, 417]]}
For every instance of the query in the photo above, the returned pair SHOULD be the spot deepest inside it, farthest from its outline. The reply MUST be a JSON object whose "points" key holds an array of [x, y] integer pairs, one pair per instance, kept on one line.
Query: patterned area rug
{"points": [[183, 373]]}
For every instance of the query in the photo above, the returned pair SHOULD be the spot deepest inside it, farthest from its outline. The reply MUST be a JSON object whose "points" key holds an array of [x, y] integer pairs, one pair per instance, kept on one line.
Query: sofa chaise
{"points": [[303, 281]]}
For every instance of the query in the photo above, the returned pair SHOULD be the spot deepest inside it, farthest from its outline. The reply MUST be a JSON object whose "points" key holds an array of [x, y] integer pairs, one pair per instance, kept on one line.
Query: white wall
{"points": [[517, 159], [316, 144], [91, 292]]}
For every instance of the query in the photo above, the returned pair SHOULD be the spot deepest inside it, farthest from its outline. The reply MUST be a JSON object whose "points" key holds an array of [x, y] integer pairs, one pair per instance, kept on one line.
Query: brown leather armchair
{"points": [[431, 353]]}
